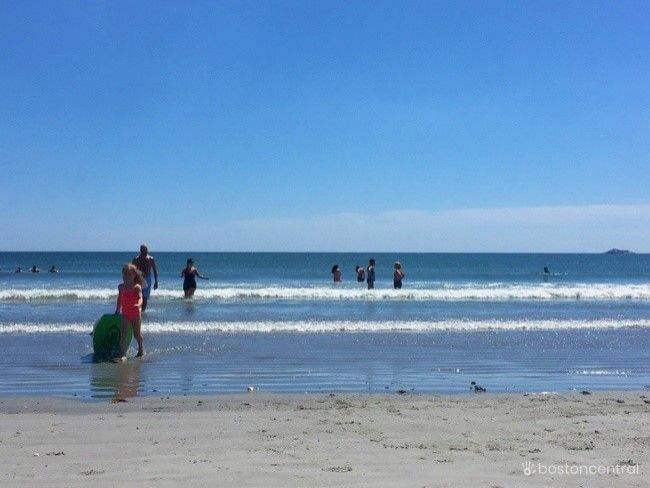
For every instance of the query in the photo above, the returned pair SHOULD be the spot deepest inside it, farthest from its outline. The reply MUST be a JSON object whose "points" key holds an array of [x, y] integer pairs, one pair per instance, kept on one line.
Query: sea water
{"points": [[277, 322]]}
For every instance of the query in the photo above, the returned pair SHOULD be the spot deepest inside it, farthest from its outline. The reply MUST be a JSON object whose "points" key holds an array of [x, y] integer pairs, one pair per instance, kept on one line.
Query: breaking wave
{"points": [[332, 326], [449, 292]]}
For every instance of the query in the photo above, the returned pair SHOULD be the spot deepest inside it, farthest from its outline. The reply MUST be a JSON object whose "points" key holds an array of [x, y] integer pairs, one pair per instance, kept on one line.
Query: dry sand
{"points": [[327, 440]]}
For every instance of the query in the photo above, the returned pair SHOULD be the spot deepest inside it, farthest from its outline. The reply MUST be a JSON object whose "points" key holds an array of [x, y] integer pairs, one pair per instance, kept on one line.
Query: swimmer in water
{"points": [[361, 274], [336, 272]]}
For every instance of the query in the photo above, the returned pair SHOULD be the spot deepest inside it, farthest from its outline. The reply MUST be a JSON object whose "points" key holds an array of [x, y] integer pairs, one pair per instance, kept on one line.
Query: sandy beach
{"points": [[255, 439]]}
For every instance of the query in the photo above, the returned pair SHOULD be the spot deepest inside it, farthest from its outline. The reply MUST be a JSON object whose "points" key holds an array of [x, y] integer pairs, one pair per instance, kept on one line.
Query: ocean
{"points": [[277, 322]]}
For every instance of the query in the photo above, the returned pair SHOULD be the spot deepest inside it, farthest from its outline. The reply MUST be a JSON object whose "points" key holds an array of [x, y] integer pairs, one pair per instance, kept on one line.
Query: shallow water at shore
{"points": [[277, 323], [441, 362]]}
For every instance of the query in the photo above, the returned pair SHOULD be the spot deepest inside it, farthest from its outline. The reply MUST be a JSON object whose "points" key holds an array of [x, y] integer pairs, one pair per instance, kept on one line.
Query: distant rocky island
{"points": [[618, 251]]}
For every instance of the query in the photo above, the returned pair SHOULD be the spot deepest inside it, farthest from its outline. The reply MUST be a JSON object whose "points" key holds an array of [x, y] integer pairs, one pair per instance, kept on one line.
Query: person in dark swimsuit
{"points": [[371, 274], [361, 274], [189, 275], [336, 272], [398, 275]]}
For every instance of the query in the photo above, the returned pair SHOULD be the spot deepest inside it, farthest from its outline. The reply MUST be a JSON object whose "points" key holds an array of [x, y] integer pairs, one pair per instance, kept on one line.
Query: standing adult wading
{"points": [[189, 275], [147, 265], [370, 275]]}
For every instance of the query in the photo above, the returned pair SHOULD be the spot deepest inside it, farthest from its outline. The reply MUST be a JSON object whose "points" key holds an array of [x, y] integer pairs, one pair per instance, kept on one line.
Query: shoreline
{"points": [[383, 439], [53, 403]]}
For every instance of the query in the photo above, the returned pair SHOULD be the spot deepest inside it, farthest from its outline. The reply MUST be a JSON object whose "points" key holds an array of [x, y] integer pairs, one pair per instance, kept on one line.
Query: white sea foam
{"points": [[443, 292], [599, 372], [43, 294], [333, 326]]}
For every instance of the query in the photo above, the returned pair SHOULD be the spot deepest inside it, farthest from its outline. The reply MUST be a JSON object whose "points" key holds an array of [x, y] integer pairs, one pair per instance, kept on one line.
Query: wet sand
{"points": [[479, 440]]}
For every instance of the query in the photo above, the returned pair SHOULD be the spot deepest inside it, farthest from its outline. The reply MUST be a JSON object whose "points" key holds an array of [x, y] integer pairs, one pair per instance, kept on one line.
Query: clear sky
{"points": [[325, 125]]}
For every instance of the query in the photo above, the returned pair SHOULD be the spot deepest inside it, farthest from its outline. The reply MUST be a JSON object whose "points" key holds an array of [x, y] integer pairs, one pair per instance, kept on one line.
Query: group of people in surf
{"points": [[135, 290], [141, 275], [368, 275], [36, 269]]}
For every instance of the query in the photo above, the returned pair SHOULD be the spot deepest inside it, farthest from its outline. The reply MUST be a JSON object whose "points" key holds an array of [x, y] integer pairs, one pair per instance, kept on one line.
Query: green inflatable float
{"points": [[106, 336]]}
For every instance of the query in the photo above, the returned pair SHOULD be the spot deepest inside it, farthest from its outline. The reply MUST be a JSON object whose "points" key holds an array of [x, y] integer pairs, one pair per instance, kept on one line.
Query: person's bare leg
{"points": [[137, 333], [124, 330]]}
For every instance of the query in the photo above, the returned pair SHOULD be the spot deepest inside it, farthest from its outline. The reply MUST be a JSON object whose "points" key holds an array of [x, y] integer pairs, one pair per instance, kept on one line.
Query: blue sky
{"points": [[325, 126]]}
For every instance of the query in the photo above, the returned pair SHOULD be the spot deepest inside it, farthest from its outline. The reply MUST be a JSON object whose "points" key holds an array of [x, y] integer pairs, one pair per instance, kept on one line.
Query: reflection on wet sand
{"points": [[119, 381]]}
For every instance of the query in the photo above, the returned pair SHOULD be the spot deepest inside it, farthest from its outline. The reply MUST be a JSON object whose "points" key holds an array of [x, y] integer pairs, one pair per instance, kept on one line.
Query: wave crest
{"points": [[333, 326], [469, 292]]}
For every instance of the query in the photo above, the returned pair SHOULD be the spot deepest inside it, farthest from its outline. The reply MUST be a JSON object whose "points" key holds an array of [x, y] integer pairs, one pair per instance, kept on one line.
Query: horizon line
{"points": [[623, 252]]}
